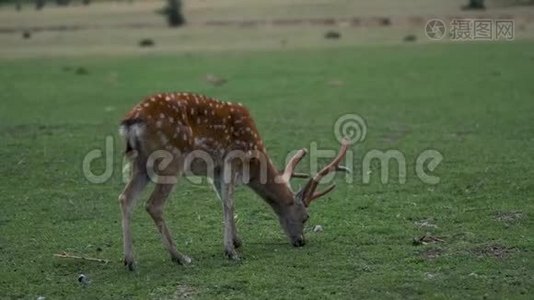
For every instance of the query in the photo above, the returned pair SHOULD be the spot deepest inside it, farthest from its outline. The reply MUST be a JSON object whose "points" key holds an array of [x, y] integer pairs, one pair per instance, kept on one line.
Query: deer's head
{"points": [[294, 214]]}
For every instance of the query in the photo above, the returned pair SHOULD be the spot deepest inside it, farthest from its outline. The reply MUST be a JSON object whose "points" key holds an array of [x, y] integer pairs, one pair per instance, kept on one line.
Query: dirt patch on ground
{"points": [[184, 291], [426, 223], [493, 250], [432, 253], [508, 217]]}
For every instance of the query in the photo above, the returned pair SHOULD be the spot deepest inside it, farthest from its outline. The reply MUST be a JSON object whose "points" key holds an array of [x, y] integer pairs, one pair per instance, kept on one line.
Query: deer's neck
{"points": [[275, 193]]}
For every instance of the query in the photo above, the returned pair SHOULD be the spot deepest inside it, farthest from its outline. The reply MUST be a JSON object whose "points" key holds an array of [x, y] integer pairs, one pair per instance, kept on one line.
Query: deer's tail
{"points": [[132, 130]]}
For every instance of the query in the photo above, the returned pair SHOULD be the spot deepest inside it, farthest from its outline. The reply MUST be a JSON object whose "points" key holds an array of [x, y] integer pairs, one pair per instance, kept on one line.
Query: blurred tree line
{"points": [[476, 4], [174, 14], [172, 11], [177, 3], [481, 4], [39, 4]]}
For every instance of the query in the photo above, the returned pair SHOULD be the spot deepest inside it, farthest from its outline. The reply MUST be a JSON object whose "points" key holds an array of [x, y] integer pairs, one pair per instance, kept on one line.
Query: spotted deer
{"points": [[180, 125]]}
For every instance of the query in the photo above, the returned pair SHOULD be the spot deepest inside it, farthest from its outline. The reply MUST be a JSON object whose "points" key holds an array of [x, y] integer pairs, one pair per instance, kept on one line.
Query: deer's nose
{"points": [[299, 241]]}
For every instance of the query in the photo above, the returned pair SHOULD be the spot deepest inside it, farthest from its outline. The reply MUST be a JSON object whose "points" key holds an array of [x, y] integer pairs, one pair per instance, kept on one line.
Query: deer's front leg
{"points": [[218, 189], [127, 200], [231, 241]]}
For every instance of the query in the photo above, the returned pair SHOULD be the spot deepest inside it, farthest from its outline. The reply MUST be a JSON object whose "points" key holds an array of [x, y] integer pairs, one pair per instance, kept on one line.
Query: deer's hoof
{"points": [[130, 264], [237, 242], [232, 254], [181, 259]]}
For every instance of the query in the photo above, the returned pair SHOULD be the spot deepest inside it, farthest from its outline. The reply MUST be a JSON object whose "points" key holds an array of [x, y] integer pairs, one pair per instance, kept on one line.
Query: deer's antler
{"points": [[292, 164], [308, 192]]}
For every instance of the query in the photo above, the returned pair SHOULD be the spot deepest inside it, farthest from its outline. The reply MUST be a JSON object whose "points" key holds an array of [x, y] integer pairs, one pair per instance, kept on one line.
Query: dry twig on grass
{"points": [[66, 255]]}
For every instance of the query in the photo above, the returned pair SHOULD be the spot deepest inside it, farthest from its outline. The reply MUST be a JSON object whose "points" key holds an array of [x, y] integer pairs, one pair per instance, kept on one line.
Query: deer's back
{"points": [[186, 122]]}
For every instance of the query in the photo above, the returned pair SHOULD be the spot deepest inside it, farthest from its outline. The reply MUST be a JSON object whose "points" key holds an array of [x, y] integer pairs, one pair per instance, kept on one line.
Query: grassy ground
{"points": [[472, 102]]}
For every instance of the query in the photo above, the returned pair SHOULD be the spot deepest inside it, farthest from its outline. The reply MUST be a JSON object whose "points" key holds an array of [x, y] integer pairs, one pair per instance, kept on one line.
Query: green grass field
{"points": [[472, 102], [62, 93]]}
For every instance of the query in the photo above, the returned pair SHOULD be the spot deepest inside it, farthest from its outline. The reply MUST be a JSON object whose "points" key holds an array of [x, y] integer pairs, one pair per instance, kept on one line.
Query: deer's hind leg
{"points": [[127, 200], [155, 206]]}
